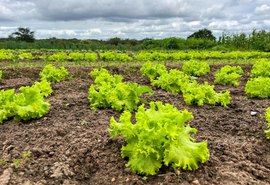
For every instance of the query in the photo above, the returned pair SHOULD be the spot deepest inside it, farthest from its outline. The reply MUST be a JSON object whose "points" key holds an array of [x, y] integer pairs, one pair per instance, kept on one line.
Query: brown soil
{"points": [[71, 145]]}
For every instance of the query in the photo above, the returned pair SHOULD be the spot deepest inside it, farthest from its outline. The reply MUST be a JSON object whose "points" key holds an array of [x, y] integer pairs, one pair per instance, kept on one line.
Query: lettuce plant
{"points": [[196, 68], [174, 81], [115, 56], [200, 94], [229, 75], [90, 57], [7, 104], [58, 57], [261, 68], [52, 74], [159, 136], [258, 87], [110, 92], [76, 56], [153, 71], [267, 116], [28, 104]]}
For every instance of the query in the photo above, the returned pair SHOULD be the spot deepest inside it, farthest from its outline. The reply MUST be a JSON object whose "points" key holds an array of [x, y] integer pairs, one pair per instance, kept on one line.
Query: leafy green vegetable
{"points": [[153, 71], [28, 104], [115, 56], [228, 75], [261, 68], [103, 76], [258, 87], [7, 104], [110, 92], [44, 88], [200, 94], [267, 115], [160, 136], [52, 74], [23, 56], [196, 68], [58, 57], [76, 56], [153, 56], [174, 81], [91, 57]]}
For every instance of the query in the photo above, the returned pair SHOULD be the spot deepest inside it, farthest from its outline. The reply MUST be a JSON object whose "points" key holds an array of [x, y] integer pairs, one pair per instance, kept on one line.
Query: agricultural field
{"points": [[66, 135]]}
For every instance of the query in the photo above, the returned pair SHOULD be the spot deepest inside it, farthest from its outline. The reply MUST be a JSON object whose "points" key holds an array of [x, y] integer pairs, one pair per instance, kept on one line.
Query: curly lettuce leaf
{"points": [[261, 68], [30, 103], [52, 74], [110, 91], [184, 153], [102, 76], [7, 104], [229, 75], [44, 88], [174, 81], [258, 87], [153, 71], [196, 68], [160, 136], [200, 94], [267, 116]]}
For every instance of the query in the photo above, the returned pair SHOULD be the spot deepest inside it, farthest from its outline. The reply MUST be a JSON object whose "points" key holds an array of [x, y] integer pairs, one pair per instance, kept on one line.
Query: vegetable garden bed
{"points": [[71, 144]]}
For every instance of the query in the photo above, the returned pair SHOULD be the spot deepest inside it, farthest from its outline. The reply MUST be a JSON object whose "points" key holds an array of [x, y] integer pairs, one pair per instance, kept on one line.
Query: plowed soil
{"points": [[71, 144]]}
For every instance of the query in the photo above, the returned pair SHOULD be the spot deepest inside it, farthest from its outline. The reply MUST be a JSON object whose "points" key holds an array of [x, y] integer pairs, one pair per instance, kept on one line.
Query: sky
{"points": [[134, 19]]}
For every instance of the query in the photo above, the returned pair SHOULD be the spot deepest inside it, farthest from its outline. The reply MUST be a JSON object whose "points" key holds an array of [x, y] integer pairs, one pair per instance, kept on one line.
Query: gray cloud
{"points": [[132, 19]]}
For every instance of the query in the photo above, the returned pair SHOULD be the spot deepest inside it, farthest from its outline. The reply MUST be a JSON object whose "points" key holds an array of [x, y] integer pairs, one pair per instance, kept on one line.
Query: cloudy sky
{"points": [[103, 19]]}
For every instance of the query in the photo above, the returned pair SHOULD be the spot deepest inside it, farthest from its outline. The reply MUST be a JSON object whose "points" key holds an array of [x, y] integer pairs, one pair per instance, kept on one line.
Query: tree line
{"points": [[202, 39]]}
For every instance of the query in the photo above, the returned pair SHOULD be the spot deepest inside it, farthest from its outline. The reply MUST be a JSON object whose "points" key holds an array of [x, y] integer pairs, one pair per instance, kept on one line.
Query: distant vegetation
{"points": [[203, 39]]}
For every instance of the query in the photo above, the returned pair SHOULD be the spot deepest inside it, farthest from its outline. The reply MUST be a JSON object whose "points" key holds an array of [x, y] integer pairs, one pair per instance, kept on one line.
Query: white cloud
{"points": [[103, 19], [263, 9]]}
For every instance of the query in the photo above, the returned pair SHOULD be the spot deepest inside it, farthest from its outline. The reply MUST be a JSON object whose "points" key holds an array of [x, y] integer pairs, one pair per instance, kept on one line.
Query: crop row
{"points": [[92, 56]]}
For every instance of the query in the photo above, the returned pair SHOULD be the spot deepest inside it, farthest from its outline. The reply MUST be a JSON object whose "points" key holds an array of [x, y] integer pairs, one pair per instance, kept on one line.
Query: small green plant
{"points": [[153, 71], [24, 56], [27, 104], [229, 75], [52, 74], [76, 56], [58, 57], [174, 81], [90, 57], [4, 161], [25, 155], [114, 56], [196, 68], [267, 116], [200, 94], [258, 87], [24, 158], [16, 163], [110, 92], [159, 136], [261, 68]]}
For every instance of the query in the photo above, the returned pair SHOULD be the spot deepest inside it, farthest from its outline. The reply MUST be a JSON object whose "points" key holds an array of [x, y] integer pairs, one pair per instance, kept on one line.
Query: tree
{"points": [[172, 44], [203, 34], [114, 41], [23, 34]]}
